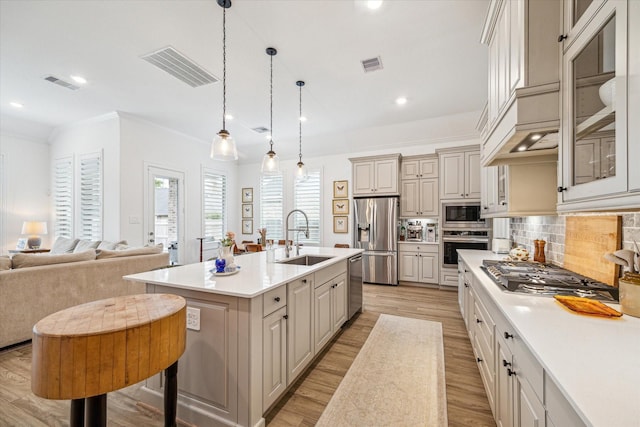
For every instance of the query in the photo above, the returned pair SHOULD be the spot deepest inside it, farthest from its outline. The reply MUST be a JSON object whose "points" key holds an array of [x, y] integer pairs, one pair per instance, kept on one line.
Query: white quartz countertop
{"points": [[255, 277], [594, 361]]}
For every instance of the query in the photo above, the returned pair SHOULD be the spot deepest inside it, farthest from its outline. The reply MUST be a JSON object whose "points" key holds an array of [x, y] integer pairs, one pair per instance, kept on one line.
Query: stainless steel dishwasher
{"points": [[355, 285]]}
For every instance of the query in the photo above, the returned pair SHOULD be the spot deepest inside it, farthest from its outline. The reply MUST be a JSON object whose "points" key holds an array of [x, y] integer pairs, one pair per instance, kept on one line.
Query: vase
{"points": [[226, 253]]}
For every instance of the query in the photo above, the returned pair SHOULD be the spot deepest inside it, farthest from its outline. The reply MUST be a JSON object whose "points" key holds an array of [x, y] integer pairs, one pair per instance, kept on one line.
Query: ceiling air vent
{"points": [[54, 79], [372, 64], [179, 66], [260, 129]]}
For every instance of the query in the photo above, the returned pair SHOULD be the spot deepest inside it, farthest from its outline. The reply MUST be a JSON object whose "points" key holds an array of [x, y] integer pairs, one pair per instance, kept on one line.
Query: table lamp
{"points": [[34, 229]]}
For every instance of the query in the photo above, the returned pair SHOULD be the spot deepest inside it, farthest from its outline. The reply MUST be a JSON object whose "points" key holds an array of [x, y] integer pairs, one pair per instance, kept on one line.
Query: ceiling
{"points": [[430, 52]]}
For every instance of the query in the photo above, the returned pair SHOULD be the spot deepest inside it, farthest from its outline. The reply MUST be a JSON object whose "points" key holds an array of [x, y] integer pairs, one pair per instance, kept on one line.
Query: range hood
{"points": [[527, 129]]}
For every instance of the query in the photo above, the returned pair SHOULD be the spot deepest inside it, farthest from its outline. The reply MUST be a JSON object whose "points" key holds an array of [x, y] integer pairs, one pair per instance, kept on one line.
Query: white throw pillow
{"points": [[83, 245], [63, 245]]}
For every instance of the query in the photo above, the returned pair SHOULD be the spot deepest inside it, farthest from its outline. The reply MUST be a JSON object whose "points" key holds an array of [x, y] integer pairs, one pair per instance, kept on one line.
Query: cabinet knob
{"points": [[505, 363], [277, 299], [466, 286], [507, 335], [503, 203], [478, 360], [510, 372], [461, 194], [486, 207], [562, 37], [478, 321], [561, 189], [467, 195], [304, 280], [285, 317]]}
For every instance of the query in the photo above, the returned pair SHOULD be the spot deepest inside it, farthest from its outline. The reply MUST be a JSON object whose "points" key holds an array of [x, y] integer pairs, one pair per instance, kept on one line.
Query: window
{"points": [[306, 197], [214, 204], [63, 197], [272, 206], [91, 197]]}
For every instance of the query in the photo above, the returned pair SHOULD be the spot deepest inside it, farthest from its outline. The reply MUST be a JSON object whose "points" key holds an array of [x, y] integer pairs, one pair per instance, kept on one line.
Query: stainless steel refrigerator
{"points": [[375, 231]]}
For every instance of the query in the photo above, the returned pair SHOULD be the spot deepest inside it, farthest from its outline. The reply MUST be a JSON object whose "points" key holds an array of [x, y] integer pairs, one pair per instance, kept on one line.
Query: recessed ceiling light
{"points": [[228, 116], [16, 105], [303, 119], [374, 4], [401, 101], [79, 79], [522, 148], [536, 137]]}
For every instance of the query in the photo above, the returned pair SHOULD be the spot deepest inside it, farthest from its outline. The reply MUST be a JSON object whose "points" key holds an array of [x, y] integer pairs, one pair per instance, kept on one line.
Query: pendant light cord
{"points": [[224, 67], [300, 127], [271, 105]]}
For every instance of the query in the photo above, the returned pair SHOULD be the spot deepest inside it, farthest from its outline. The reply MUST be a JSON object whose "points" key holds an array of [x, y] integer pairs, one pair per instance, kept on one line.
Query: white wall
{"points": [[97, 135], [334, 168], [25, 187], [143, 144]]}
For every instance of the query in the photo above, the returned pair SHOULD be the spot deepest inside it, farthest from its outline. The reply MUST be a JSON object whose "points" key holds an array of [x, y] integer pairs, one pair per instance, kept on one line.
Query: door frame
{"points": [[151, 171]]}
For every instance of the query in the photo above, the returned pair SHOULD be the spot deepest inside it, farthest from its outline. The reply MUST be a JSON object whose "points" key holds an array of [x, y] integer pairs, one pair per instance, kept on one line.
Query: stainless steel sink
{"points": [[305, 260]]}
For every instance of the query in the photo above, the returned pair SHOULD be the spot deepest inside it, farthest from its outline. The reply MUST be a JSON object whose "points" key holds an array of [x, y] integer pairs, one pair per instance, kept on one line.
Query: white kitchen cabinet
{"points": [[419, 167], [330, 309], [377, 176], [418, 262], [274, 356], [419, 197], [300, 345], [459, 175], [600, 90]]}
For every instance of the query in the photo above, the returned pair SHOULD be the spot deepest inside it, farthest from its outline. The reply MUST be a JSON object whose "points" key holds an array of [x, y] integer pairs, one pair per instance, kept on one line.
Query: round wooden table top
{"points": [[105, 345]]}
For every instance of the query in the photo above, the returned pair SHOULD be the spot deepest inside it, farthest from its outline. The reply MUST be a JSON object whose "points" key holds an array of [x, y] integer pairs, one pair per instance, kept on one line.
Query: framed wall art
{"points": [[340, 189], [247, 210], [247, 195], [341, 207], [247, 226], [22, 244], [340, 224]]}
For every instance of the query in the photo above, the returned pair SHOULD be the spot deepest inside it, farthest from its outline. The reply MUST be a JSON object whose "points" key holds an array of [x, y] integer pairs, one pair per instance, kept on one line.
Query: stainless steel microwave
{"points": [[462, 215]]}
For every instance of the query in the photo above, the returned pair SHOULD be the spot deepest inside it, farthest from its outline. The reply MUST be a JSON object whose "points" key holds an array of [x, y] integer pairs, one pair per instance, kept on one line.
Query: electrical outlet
{"points": [[193, 318]]}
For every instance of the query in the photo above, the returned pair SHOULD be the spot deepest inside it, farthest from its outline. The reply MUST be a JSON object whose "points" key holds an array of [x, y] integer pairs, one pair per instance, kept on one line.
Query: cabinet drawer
{"points": [[528, 368], [330, 272], [418, 247], [484, 327], [273, 300]]}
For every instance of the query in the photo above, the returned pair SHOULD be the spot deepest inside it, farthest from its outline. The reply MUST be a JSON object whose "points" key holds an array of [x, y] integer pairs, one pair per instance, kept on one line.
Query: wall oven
{"points": [[462, 215], [452, 240]]}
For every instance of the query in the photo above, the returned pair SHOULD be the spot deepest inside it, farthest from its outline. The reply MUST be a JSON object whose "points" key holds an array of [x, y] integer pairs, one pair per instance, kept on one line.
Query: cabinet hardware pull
{"points": [[462, 195], [507, 335], [466, 286], [510, 372], [478, 359], [486, 207], [478, 321], [505, 363], [304, 280], [467, 195], [561, 37], [277, 299], [561, 189], [503, 203], [285, 317]]}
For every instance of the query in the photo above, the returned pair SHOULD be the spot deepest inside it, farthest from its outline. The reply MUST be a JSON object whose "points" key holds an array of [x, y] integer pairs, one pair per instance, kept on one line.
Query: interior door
{"points": [[164, 210]]}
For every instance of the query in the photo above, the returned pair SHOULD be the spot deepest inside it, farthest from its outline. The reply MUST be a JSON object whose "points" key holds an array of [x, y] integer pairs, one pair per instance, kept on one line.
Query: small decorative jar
{"points": [[630, 294], [519, 254]]}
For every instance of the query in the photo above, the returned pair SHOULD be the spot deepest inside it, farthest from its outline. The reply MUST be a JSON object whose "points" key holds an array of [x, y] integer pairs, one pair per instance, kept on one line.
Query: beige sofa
{"points": [[31, 293]]}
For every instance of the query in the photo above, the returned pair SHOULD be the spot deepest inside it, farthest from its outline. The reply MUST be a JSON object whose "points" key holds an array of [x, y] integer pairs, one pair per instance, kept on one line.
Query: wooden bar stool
{"points": [[84, 352]]}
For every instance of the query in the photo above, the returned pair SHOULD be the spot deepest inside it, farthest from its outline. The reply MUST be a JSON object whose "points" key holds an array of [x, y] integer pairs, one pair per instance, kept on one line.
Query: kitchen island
{"points": [[544, 365], [251, 334]]}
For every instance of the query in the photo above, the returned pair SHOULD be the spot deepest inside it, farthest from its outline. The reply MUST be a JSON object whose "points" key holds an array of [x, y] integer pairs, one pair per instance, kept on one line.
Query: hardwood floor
{"points": [[304, 402]]}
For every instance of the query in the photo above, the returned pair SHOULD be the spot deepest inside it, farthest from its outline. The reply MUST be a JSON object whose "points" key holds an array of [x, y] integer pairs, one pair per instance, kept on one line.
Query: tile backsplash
{"points": [[525, 230]]}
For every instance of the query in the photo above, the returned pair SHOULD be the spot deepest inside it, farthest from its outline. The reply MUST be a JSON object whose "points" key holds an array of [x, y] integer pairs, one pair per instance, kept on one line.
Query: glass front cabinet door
{"points": [[594, 151]]}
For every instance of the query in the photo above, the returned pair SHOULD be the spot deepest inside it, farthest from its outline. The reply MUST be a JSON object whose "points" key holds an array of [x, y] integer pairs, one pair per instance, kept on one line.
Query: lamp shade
{"points": [[34, 227]]}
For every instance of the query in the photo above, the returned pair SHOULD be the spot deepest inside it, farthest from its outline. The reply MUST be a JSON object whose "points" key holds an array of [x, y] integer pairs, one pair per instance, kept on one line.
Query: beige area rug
{"points": [[397, 379]]}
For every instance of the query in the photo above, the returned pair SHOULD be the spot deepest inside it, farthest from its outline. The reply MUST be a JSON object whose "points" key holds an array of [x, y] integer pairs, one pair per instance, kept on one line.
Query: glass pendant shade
{"points": [[270, 163], [302, 174], [223, 147]]}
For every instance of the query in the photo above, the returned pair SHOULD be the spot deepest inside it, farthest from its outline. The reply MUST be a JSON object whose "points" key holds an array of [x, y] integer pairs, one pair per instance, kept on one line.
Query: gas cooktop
{"points": [[546, 279]]}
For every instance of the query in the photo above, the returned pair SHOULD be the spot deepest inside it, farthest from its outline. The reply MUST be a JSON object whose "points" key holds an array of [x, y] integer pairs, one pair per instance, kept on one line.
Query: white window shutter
{"points": [[90, 197], [214, 204], [306, 197], [63, 197], [272, 206]]}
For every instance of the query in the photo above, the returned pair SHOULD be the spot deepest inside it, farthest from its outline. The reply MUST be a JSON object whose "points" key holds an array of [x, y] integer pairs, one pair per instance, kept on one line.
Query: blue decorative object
{"points": [[220, 264]]}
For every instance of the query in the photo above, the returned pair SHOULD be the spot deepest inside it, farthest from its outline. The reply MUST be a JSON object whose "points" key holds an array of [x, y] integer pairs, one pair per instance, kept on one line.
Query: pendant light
{"points": [[223, 146], [302, 174], [271, 162]]}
